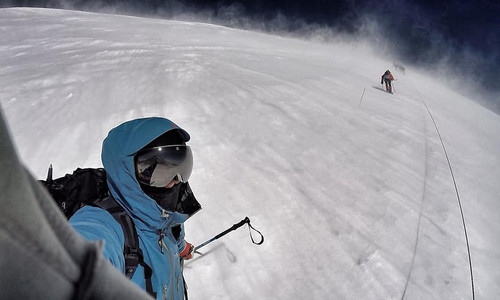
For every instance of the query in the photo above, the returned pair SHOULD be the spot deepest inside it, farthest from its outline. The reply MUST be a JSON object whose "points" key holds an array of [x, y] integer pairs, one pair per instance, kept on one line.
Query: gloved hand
{"points": [[188, 251]]}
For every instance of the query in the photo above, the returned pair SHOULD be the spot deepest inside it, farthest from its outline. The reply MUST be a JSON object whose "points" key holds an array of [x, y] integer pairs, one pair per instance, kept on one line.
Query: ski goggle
{"points": [[159, 165]]}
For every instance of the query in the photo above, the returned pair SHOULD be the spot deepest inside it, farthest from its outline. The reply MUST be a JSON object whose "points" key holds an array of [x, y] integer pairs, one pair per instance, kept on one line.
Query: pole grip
{"points": [[234, 227]]}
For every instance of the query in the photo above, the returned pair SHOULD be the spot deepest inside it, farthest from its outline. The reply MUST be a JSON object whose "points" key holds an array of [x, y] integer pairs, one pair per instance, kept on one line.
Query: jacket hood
{"points": [[118, 151]]}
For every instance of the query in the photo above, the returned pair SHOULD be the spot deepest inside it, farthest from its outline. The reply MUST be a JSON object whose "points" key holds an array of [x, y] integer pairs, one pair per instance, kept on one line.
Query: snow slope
{"points": [[350, 185]]}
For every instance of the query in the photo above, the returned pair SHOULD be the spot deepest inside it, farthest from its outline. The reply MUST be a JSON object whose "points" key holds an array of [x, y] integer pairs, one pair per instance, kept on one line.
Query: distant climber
{"points": [[387, 78]]}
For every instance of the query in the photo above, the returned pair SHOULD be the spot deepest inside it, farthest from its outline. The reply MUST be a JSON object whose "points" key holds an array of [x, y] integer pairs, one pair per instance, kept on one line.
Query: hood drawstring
{"points": [[160, 241]]}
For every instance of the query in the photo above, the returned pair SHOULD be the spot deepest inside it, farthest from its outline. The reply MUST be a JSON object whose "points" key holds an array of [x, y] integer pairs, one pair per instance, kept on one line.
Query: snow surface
{"points": [[350, 185]]}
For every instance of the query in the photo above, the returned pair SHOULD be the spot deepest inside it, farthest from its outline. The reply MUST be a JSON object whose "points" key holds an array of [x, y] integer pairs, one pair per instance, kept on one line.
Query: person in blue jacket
{"points": [[146, 161]]}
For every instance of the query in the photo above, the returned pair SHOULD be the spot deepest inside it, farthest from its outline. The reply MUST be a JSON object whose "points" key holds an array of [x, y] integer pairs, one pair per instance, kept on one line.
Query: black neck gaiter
{"points": [[166, 198]]}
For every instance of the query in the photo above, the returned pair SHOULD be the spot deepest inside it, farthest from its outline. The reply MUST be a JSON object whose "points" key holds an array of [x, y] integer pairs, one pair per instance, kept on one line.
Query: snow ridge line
{"points": [[456, 191]]}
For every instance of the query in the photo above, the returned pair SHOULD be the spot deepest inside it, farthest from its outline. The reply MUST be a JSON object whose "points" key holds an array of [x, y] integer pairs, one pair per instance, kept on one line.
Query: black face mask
{"points": [[166, 198]]}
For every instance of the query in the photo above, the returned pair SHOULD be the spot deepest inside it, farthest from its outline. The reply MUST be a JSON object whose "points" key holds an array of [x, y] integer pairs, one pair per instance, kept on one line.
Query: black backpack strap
{"points": [[131, 251]]}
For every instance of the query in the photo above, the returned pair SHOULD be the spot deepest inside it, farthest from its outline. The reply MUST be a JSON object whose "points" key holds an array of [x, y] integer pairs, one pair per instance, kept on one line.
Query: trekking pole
{"points": [[234, 227]]}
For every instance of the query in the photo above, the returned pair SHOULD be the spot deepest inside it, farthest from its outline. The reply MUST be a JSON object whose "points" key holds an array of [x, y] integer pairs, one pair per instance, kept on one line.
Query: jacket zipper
{"points": [[162, 245]]}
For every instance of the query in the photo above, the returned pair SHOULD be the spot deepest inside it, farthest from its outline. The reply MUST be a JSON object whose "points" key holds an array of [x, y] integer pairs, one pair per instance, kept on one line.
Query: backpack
{"points": [[88, 187], [73, 191]]}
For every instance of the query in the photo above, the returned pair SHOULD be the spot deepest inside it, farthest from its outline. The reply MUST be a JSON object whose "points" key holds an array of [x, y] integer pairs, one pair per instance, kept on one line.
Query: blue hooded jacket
{"points": [[150, 219]]}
